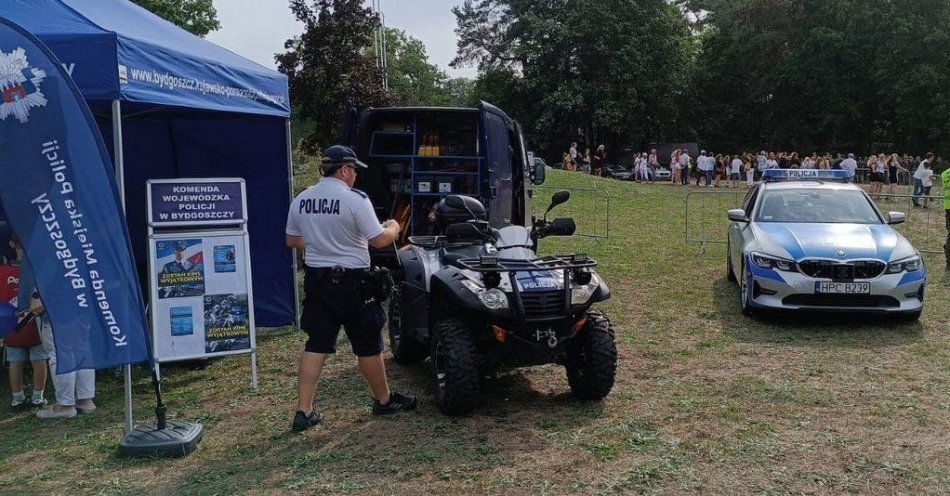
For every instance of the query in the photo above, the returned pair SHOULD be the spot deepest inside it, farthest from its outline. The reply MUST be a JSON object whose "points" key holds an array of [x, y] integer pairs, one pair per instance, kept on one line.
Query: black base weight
{"points": [[177, 439]]}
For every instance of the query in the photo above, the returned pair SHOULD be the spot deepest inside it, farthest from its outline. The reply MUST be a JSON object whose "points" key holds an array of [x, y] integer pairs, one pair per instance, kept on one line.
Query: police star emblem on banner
{"points": [[19, 86]]}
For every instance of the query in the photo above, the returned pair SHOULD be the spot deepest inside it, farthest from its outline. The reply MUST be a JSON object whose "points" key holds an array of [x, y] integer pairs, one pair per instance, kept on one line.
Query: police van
{"points": [[419, 155]]}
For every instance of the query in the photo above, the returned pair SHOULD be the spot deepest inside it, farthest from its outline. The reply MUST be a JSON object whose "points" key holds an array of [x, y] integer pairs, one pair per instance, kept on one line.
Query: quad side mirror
{"points": [[559, 198], [738, 215], [896, 218]]}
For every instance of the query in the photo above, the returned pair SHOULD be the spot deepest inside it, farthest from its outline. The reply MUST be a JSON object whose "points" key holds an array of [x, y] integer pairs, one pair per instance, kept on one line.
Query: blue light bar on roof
{"points": [[777, 175]]}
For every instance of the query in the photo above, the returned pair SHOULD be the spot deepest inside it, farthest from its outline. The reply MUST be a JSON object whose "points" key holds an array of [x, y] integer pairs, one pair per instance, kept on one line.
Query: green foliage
{"points": [[616, 69], [327, 66], [817, 75], [198, 17], [413, 80]]}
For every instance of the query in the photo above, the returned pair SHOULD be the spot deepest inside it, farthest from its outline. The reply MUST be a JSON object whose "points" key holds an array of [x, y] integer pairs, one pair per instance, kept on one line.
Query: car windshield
{"points": [[817, 205]]}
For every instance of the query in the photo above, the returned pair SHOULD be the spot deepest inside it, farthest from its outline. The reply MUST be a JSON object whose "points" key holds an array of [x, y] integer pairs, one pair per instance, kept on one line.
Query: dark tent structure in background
{"points": [[176, 106]]}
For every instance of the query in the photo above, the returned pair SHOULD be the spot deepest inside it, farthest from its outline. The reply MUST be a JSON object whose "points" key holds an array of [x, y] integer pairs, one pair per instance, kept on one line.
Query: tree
{"points": [[198, 17], [615, 69], [327, 66], [824, 75], [412, 79]]}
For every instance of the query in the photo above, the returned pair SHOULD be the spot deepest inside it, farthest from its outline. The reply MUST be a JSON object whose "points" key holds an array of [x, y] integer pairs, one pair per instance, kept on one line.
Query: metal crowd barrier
{"points": [[706, 221], [592, 222]]}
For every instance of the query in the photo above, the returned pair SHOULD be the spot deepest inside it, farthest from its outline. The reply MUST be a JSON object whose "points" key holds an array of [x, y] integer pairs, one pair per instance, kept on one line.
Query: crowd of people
{"points": [[884, 172]]}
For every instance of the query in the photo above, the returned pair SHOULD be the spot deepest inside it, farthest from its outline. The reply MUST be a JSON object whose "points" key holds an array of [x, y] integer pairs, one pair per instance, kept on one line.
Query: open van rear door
{"points": [[349, 133], [497, 152]]}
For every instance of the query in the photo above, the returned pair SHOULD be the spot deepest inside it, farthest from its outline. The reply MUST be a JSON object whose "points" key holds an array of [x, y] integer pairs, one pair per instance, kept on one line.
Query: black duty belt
{"points": [[337, 273]]}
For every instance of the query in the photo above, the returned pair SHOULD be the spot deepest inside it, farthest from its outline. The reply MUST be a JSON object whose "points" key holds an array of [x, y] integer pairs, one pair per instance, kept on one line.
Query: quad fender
{"points": [[414, 285], [602, 293], [448, 292]]}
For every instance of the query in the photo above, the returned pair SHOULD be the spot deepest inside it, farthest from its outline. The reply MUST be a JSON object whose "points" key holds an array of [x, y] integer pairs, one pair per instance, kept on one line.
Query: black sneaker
{"points": [[302, 421], [397, 403]]}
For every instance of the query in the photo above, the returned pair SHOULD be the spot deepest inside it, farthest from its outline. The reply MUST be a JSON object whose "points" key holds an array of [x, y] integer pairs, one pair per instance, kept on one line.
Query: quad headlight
{"points": [[770, 262], [582, 293], [493, 299], [911, 264]]}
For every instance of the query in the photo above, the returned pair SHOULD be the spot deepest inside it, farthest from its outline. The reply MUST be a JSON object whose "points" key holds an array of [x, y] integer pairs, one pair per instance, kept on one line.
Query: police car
{"points": [[806, 239]]}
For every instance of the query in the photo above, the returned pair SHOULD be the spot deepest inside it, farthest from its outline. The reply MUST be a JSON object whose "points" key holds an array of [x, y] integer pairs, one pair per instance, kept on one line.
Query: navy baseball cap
{"points": [[338, 155]]}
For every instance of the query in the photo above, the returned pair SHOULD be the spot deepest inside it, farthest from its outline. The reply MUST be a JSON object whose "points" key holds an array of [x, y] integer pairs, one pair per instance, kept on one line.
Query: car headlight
{"points": [[493, 299], [911, 264], [768, 262]]}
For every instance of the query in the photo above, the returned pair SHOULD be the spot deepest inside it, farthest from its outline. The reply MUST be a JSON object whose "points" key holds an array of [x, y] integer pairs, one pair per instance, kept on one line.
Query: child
{"points": [[24, 344]]}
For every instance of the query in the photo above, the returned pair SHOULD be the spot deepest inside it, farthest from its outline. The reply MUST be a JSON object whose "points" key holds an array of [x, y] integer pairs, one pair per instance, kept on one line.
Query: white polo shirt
{"points": [[337, 223]]}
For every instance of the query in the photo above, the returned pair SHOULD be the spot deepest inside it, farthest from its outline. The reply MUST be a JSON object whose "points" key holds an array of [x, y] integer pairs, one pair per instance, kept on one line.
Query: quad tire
{"points": [[406, 350], [592, 362], [455, 367]]}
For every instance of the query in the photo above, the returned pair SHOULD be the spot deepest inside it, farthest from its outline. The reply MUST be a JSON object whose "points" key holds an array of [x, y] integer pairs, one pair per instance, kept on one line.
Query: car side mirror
{"points": [[738, 215], [896, 218], [538, 176]]}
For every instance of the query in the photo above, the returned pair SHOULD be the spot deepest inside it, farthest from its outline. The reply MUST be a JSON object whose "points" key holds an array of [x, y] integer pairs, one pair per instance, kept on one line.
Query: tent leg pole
{"points": [[290, 183], [127, 372], [254, 370], [119, 162]]}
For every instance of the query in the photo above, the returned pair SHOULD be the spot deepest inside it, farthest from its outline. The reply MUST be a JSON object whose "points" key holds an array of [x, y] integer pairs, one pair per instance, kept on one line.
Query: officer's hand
{"points": [[391, 224]]}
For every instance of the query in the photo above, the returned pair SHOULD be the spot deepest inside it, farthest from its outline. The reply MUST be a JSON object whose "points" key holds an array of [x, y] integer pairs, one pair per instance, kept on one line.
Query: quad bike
{"points": [[476, 299]]}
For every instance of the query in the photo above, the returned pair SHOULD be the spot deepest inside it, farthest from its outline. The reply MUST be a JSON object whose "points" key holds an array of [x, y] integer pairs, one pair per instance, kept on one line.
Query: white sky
{"points": [[257, 29]]}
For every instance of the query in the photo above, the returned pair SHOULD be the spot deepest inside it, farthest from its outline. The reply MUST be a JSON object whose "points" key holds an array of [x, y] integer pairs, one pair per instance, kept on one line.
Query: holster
{"points": [[377, 283]]}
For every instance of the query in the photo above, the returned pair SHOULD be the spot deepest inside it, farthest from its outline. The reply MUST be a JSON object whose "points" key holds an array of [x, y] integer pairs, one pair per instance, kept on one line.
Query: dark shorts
{"points": [[328, 305], [878, 177]]}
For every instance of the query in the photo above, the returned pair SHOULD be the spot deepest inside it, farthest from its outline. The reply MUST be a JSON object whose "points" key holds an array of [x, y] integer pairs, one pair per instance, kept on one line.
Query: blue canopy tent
{"points": [[177, 106]]}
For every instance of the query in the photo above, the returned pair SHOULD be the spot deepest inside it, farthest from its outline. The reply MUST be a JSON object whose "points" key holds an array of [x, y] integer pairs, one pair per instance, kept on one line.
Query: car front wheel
{"points": [[745, 295]]}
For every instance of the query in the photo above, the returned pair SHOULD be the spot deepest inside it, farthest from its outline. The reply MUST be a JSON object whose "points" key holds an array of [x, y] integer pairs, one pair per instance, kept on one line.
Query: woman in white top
{"points": [[872, 171], [645, 167], [735, 171], [926, 180], [675, 167]]}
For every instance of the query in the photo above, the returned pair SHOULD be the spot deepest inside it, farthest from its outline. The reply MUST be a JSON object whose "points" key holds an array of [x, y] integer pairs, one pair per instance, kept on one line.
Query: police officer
{"points": [[334, 224]]}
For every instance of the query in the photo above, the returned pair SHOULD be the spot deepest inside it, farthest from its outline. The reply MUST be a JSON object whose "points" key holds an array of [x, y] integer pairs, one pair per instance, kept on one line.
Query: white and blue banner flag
{"points": [[58, 192]]}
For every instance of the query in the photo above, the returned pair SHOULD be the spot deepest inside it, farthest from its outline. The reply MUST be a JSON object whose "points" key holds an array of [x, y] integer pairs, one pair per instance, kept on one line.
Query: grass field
{"points": [[706, 402]]}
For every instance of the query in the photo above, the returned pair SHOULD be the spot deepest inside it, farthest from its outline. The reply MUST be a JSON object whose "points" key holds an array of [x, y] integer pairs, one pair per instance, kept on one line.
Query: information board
{"points": [[200, 293], [196, 202], [201, 298]]}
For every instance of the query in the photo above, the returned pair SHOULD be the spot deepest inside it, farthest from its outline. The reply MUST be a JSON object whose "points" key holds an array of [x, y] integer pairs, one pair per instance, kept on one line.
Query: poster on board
{"points": [[181, 263], [203, 304]]}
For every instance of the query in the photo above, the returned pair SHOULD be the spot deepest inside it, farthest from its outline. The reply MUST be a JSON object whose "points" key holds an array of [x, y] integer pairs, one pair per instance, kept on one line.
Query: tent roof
{"points": [[118, 50]]}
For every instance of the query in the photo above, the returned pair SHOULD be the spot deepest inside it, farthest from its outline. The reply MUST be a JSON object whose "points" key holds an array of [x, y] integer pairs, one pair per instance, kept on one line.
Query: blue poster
{"points": [[224, 259], [58, 190], [182, 321]]}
